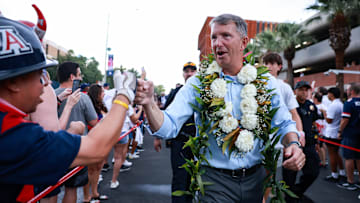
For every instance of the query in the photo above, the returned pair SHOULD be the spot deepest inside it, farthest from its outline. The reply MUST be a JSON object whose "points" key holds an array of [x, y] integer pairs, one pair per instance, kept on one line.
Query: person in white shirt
{"points": [[333, 119], [321, 126], [274, 62], [325, 100]]}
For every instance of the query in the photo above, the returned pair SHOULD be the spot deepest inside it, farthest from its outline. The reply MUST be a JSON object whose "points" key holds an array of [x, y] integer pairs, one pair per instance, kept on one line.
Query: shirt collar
{"points": [[7, 107], [229, 78]]}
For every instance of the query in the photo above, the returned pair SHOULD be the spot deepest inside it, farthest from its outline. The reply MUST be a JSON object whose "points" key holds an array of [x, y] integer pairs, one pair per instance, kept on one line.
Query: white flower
{"points": [[245, 141], [248, 105], [218, 87], [228, 124], [213, 68], [247, 74], [249, 121], [223, 112], [249, 90]]}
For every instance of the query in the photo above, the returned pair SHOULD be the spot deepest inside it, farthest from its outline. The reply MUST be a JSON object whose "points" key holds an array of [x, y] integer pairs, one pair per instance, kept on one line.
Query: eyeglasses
{"points": [[44, 77]]}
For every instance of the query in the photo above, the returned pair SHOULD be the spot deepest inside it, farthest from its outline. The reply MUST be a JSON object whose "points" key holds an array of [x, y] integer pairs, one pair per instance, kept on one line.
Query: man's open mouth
{"points": [[220, 53]]}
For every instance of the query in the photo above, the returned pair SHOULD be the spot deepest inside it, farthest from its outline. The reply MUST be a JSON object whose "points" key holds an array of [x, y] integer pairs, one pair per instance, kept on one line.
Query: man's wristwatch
{"points": [[295, 142]]}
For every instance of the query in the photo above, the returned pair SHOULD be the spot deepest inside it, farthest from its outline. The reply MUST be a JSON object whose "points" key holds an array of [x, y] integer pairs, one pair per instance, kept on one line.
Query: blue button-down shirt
{"points": [[180, 110]]}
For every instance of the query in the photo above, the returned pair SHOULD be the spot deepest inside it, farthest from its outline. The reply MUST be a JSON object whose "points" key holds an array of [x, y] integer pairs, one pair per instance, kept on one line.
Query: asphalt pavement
{"points": [[149, 181]]}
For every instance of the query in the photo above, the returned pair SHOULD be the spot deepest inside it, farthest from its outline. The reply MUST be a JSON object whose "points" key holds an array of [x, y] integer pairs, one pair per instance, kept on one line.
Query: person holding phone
{"points": [[69, 76], [29, 154]]}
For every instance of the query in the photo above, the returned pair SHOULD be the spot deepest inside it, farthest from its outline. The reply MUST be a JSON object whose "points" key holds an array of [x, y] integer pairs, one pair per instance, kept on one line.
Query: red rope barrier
{"points": [[340, 145], [71, 173]]}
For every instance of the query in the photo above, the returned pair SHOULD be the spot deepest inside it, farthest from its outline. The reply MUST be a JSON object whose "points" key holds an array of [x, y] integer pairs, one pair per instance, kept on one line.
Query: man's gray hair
{"points": [[355, 87], [225, 19]]}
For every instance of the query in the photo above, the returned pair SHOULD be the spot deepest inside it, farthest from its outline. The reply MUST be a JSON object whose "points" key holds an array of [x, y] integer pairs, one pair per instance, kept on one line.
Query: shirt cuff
{"points": [[165, 130]]}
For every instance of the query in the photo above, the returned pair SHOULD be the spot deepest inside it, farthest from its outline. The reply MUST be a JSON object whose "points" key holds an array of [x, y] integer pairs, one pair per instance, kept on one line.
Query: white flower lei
{"points": [[252, 94]]}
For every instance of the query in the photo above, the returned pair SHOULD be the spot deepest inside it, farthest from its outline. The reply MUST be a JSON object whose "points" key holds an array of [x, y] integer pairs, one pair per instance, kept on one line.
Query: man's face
{"points": [[30, 89], [330, 96], [78, 75], [301, 93], [227, 45], [274, 68], [348, 92], [188, 72]]}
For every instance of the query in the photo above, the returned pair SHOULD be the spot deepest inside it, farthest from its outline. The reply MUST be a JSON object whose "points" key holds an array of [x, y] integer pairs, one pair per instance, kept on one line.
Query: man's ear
{"points": [[12, 84], [72, 77], [244, 42]]}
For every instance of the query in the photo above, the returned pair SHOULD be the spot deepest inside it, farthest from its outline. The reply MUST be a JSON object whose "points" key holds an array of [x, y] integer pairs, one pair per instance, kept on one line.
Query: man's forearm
{"points": [[65, 115], [343, 124], [154, 116], [295, 117], [97, 144], [289, 137]]}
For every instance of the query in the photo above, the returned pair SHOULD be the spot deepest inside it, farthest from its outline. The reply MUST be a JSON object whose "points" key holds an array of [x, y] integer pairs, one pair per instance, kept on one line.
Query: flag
{"points": [[110, 62]]}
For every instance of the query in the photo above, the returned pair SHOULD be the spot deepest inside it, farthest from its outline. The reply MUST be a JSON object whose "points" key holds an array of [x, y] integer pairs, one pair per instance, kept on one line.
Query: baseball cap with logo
{"points": [[189, 65], [20, 50], [302, 83]]}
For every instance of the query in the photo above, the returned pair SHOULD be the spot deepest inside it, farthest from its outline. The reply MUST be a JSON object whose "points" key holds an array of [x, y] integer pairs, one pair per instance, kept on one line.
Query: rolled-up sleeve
{"points": [[179, 111]]}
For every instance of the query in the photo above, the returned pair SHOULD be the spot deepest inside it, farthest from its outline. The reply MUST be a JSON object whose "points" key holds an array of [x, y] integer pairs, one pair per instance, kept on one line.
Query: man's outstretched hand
{"points": [[295, 158], [144, 92]]}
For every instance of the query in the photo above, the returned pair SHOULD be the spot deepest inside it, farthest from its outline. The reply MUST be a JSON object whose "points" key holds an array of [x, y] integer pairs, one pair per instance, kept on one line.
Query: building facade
{"points": [[52, 50]]}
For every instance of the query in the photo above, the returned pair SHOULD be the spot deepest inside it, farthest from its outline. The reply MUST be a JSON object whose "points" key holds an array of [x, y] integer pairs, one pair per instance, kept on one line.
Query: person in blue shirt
{"points": [[350, 133], [29, 154], [229, 39]]}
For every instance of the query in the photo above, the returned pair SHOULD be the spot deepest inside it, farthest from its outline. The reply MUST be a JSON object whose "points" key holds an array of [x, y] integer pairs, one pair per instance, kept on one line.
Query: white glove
{"points": [[125, 84]]}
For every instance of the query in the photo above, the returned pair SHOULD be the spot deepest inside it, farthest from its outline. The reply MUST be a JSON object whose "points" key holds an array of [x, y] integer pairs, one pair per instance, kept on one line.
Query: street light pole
{"points": [[106, 47]]}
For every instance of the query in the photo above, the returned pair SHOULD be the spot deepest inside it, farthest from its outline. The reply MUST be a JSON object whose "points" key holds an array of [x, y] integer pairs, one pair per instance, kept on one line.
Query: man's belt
{"points": [[242, 172]]}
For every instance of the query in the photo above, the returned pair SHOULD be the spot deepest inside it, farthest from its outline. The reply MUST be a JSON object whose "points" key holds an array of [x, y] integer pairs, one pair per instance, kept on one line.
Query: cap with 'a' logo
{"points": [[20, 50]]}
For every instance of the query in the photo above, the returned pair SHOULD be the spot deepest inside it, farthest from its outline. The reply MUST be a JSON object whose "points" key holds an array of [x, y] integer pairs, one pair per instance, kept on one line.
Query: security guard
{"points": [[180, 179], [308, 114]]}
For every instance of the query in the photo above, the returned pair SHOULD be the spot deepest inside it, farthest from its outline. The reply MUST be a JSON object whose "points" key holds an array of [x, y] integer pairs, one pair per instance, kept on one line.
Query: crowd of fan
{"points": [[87, 104]]}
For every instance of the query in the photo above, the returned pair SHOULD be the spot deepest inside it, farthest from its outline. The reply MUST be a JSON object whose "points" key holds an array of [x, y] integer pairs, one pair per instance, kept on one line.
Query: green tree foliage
{"points": [[290, 35], [109, 79], [159, 89], [285, 37], [88, 67], [264, 42]]}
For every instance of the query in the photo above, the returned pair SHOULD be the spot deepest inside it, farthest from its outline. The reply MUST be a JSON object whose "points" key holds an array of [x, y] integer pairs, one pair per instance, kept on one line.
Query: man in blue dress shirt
{"points": [[229, 39]]}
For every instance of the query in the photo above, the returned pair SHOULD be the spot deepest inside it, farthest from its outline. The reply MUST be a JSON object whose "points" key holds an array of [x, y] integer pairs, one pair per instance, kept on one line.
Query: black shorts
{"points": [[348, 153], [79, 179], [332, 140]]}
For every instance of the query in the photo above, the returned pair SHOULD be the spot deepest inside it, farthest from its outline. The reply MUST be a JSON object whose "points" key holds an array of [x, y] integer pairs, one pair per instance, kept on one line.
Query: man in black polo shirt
{"points": [[308, 114]]}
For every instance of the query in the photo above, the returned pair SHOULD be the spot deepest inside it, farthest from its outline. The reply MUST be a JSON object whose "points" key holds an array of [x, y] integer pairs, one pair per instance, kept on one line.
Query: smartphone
{"points": [[76, 85]]}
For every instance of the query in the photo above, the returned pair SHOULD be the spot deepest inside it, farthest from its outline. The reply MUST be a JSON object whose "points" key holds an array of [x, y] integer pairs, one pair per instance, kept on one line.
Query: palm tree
{"points": [[290, 34], [339, 12], [267, 41], [264, 42]]}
